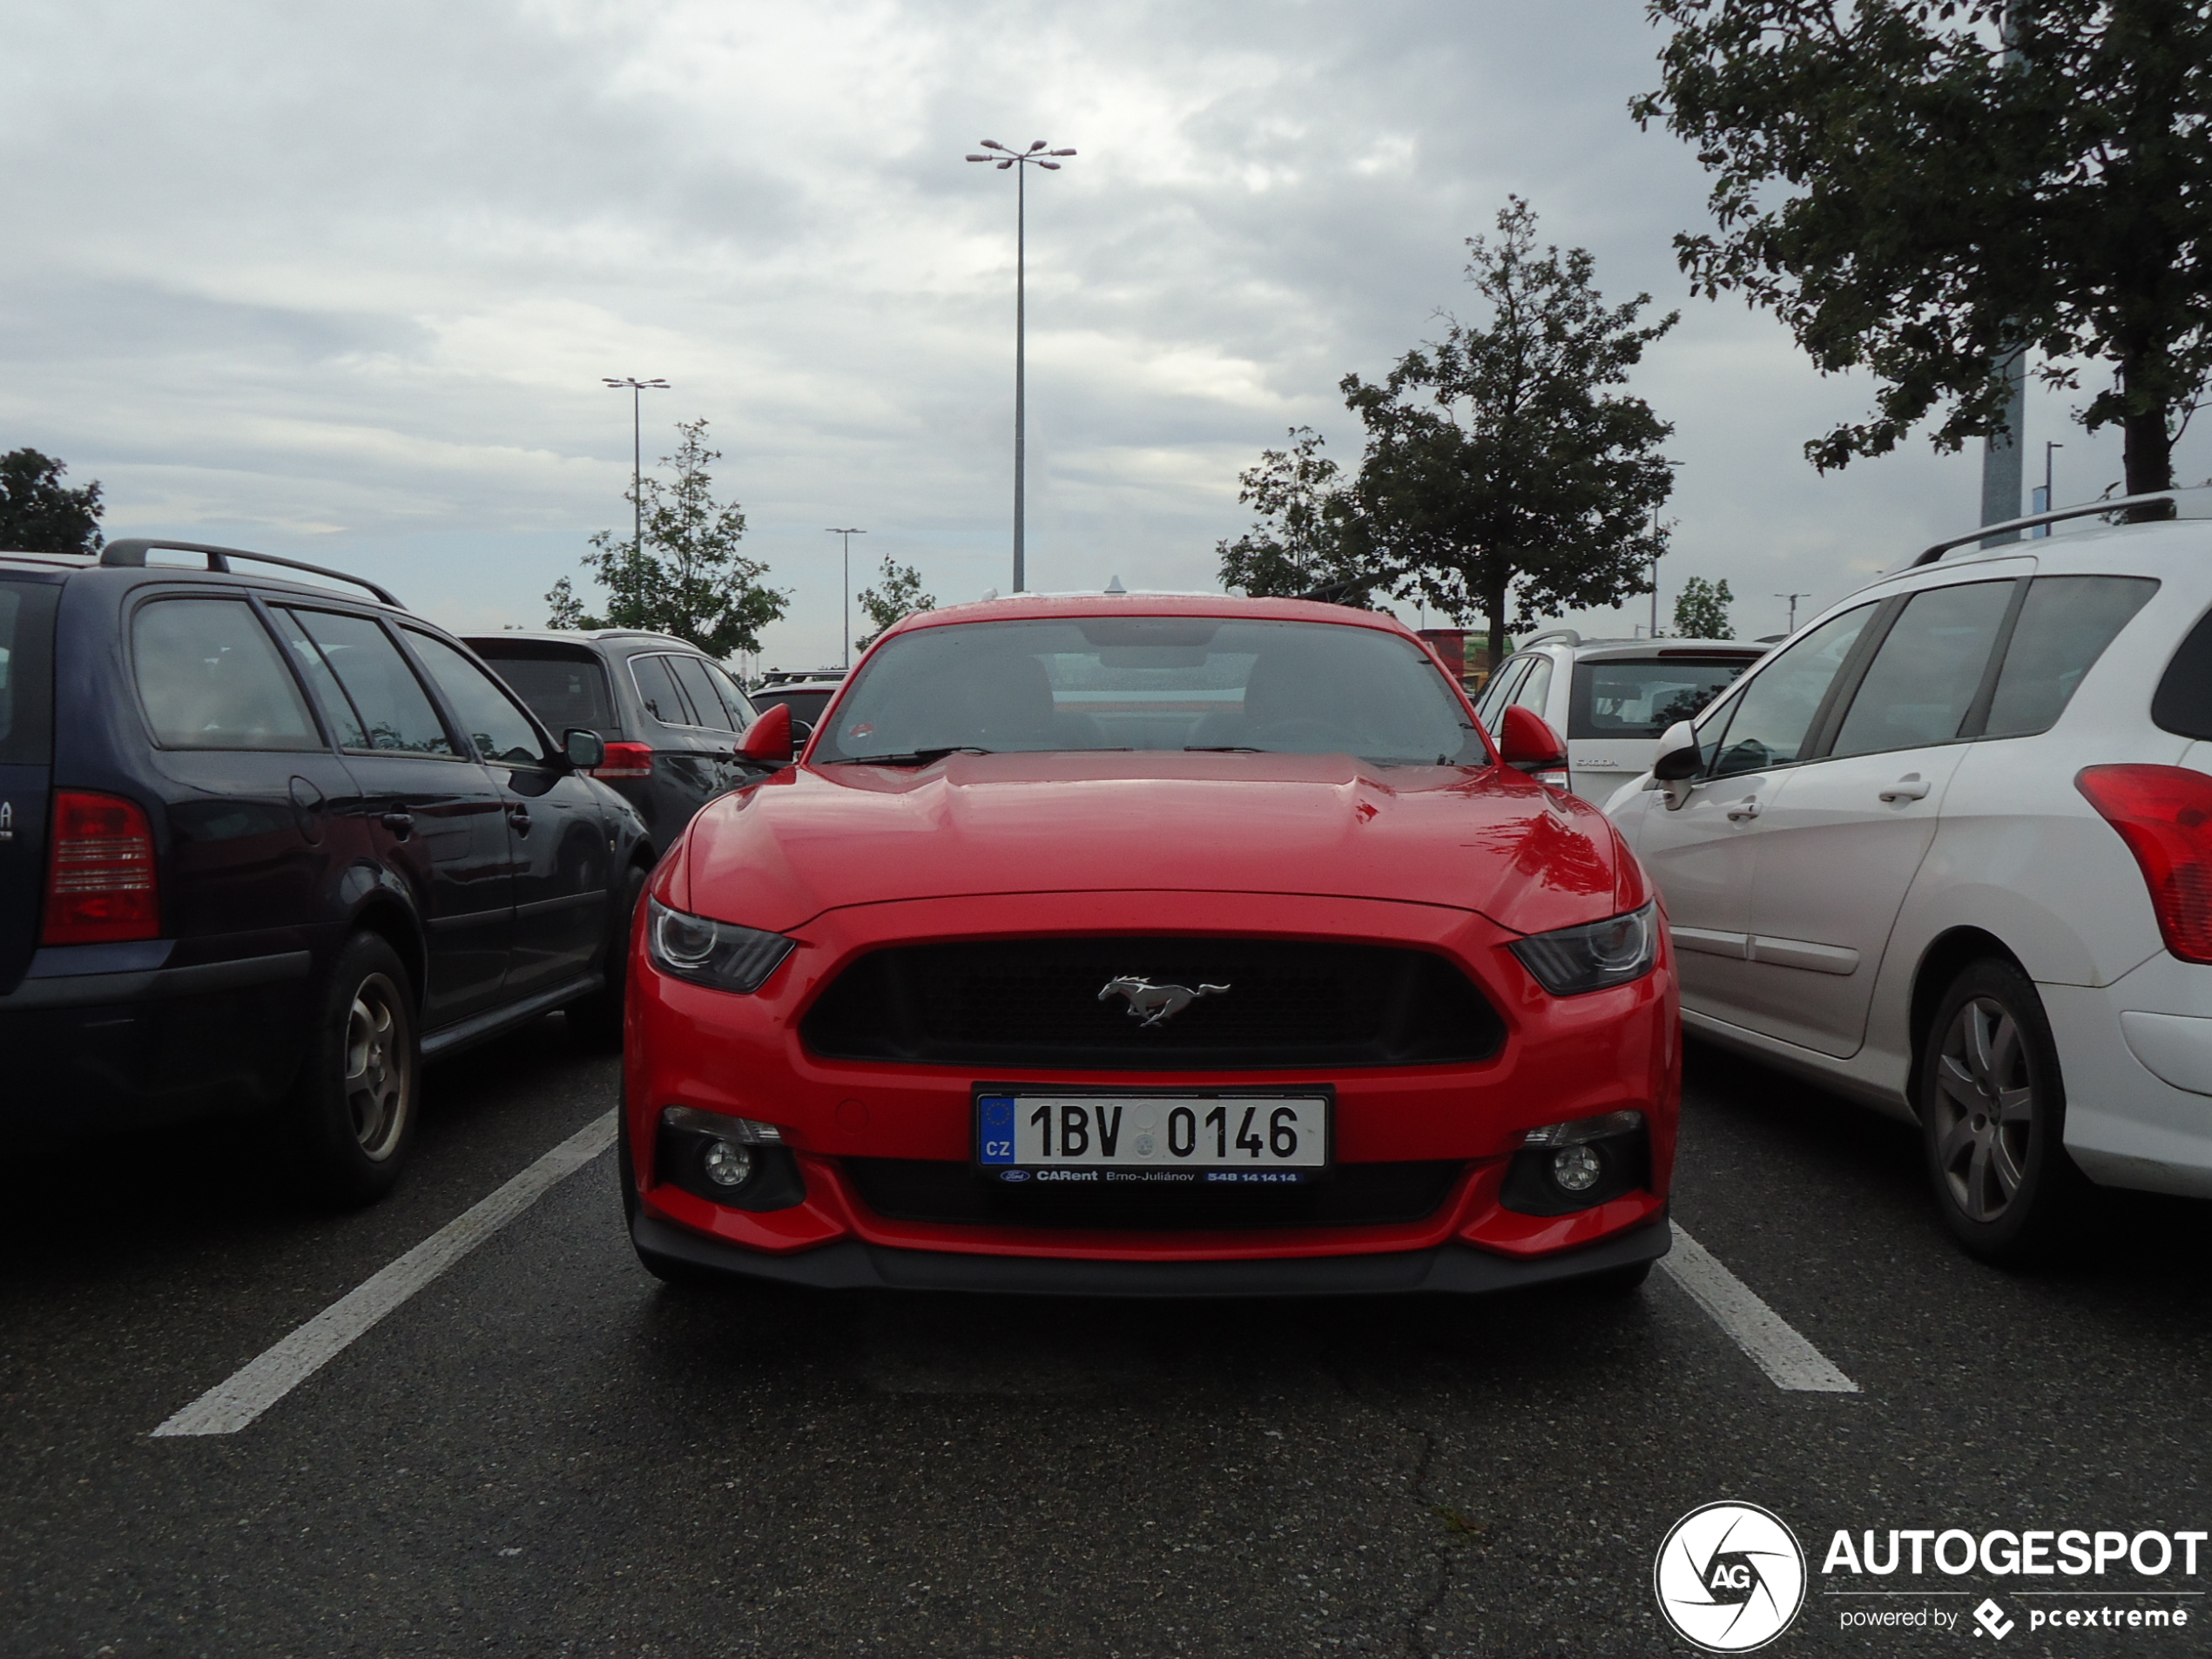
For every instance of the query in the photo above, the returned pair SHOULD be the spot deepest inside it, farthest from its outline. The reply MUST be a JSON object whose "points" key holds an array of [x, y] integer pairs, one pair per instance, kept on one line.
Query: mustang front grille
{"points": [[1153, 1004]]}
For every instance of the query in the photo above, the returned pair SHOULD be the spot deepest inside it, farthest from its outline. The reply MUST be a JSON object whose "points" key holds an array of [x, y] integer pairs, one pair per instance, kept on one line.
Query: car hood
{"points": [[1486, 839]]}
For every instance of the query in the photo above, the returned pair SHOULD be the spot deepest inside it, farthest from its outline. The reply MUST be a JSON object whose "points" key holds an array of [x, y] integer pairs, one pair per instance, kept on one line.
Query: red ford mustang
{"points": [[1151, 945]]}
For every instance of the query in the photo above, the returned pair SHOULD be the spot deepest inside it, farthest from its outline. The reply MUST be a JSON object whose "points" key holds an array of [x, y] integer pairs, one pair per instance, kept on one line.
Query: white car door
{"points": [[1700, 844], [1840, 847]]}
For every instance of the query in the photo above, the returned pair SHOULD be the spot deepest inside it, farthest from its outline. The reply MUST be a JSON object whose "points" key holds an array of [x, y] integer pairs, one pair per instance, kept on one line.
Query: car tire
{"points": [[596, 1021], [353, 1107], [1992, 1117]]}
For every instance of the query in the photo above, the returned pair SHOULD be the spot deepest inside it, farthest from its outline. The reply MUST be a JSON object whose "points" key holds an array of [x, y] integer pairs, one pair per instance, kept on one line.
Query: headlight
{"points": [[718, 953], [1594, 956]]}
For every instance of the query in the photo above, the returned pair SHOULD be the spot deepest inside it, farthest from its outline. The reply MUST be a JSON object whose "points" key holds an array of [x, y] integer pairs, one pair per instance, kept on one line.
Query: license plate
{"points": [[1240, 1140]]}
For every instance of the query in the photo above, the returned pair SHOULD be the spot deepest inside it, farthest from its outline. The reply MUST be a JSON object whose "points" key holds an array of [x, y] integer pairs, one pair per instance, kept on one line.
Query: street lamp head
{"points": [[979, 158], [1003, 165], [1039, 145], [992, 143], [1049, 166], [1062, 153]]}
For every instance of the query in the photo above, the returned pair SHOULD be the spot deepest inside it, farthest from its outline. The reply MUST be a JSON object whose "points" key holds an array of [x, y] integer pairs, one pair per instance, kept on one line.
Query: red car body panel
{"points": [[1459, 861]]}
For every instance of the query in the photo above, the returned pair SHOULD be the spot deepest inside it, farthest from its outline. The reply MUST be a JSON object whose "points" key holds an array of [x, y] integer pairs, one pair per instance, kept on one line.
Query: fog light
{"points": [[1576, 1168], [729, 1165]]}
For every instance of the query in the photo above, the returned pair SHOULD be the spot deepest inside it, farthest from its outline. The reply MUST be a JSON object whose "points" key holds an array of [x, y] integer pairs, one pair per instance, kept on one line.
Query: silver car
{"points": [[1611, 698]]}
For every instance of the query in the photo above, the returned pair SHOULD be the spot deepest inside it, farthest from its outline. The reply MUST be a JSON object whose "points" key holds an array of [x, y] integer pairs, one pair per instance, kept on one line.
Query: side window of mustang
{"points": [[1774, 711]]}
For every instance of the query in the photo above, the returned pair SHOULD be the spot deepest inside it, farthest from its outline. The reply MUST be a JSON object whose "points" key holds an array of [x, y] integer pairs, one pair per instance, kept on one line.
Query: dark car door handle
{"points": [[398, 823], [520, 817]]}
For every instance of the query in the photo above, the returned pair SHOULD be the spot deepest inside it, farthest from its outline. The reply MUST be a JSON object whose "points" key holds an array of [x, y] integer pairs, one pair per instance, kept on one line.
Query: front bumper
{"points": [[856, 1265], [740, 1055]]}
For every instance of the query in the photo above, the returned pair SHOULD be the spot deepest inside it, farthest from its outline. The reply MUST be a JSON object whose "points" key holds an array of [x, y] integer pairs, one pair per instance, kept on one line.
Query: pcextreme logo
{"points": [[1729, 1577]]}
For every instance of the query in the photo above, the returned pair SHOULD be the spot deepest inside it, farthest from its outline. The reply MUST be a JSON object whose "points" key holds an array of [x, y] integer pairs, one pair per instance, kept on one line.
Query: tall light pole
{"points": [[2000, 452], [1792, 598], [1020, 161], [849, 534], [637, 389], [2042, 500]]}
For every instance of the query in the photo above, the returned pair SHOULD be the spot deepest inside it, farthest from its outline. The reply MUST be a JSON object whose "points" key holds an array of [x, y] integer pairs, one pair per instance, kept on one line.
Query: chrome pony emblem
{"points": [[1154, 1003]]}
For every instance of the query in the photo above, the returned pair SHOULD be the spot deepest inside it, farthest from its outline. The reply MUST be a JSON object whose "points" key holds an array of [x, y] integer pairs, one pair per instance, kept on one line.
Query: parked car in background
{"points": [[1611, 698], [265, 847], [1949, 851], [670, 716], [805, 691]]}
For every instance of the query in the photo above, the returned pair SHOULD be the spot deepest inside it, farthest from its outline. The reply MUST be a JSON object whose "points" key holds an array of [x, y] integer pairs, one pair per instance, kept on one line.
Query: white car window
{"points": [[2063, 628], [1532, 692], [1774, 712], [1501, 688], [1921, 684]]}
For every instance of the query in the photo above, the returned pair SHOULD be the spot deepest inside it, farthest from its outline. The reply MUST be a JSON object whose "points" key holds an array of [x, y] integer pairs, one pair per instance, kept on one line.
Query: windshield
{"points": [[1152, 683]]}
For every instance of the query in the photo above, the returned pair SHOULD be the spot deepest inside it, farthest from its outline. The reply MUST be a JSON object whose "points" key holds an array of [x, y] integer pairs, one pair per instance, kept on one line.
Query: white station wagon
{"points": [[1948, 850]]}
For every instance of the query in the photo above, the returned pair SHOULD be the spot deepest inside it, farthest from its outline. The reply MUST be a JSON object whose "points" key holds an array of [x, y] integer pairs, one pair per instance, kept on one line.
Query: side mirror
{"points": [[1678, 758], [768, 741], [585, 749], [1526, 743]]}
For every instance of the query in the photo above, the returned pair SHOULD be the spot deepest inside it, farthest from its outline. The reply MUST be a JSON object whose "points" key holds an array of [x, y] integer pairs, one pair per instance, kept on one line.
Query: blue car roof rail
{"points": [[131, 553]]}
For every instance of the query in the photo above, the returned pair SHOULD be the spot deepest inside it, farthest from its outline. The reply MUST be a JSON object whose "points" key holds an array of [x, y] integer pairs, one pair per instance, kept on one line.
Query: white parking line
{"points": [[1793, 1363], [248, 1392]]}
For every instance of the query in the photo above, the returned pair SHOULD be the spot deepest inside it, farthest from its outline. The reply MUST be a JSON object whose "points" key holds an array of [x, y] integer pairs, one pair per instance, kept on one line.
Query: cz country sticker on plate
{"points": [[1209, 1140]]}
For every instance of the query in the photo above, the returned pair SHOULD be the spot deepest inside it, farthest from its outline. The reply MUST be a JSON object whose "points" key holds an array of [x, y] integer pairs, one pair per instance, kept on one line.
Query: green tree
{"points": [[1502, 479], [1911, 201], [40, 514], [1309, 534], [1701, 610], [685, 576], [900, 596]]}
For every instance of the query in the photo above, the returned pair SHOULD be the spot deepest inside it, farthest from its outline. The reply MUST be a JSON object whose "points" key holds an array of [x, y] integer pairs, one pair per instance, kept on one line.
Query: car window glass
{"points": [[1494, 695], [563, 691], [337, 707], [1774, 711], [1149, 683], [396, 710], [1641, 697], [1923, 680], [501, 732], [656, 690], [27, 672], [1532, 692], [210, 678], [733, 697], [705, 701], [2063, 628]]}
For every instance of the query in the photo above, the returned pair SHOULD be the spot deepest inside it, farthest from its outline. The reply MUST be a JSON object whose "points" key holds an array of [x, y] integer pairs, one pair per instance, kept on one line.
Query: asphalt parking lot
{"points": [[546, 1452]]}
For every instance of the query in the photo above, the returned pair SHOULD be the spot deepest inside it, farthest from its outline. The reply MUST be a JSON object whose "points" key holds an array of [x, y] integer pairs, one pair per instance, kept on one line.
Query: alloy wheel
{"points": [[1985, 1102], [379, 1080]]}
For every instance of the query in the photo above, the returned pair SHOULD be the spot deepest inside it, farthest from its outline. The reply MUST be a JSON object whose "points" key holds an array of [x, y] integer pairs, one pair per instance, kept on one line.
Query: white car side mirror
{"points": [[1678, 760]]}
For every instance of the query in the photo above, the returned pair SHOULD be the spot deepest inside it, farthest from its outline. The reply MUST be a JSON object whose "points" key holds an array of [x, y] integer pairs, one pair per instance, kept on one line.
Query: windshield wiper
{"points": [[911, 757]]}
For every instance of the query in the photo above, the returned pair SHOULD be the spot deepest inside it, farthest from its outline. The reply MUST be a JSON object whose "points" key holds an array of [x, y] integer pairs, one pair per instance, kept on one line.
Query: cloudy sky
{"points": [[341, 281]]}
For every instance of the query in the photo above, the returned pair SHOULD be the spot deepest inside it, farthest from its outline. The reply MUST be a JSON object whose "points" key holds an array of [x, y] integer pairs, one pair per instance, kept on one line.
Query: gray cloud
{"points": [[342, 280]]}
